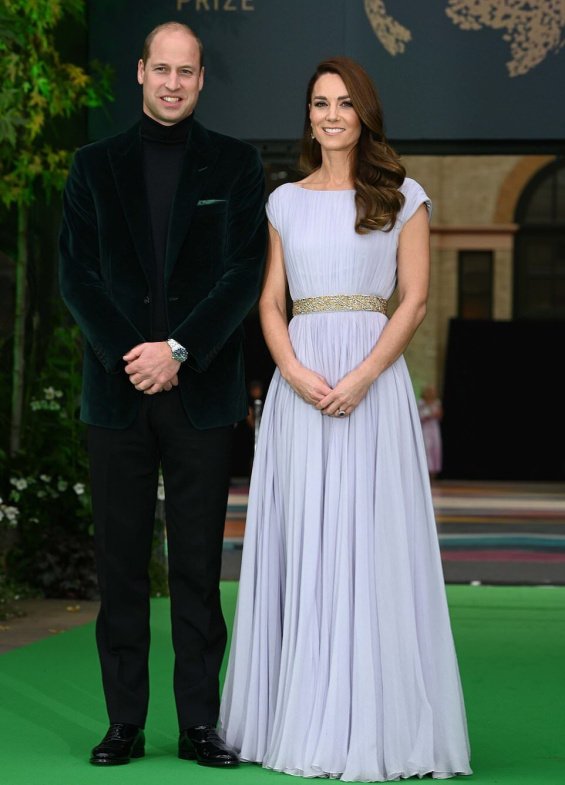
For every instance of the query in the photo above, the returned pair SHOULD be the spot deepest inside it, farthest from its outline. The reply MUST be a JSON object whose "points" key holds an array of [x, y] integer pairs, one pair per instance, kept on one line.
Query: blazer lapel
{"points": [[198, 160], [126, 161]]}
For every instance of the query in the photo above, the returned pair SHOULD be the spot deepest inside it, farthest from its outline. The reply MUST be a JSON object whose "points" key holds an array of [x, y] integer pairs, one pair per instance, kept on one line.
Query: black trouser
{"points": [[124, 473]]}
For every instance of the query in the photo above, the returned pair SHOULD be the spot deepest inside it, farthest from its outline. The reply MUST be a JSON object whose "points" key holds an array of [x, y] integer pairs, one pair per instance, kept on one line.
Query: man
{"points": [[161, 254]]}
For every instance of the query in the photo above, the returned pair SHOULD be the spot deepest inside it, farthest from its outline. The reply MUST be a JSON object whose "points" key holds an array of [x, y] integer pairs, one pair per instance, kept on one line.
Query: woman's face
{"points": [[335, 123]]}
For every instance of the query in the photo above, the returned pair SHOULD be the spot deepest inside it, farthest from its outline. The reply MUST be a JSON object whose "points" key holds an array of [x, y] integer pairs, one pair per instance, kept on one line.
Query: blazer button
{"points": [[147, 299]]}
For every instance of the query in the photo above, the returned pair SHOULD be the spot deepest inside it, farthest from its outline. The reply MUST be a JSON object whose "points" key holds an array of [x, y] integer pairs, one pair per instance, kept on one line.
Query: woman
{"points": [[342, 662]]}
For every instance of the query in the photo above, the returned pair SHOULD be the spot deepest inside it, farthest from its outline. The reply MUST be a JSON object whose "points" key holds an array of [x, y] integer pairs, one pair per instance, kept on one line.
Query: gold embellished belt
{"points": [[340, 302]]}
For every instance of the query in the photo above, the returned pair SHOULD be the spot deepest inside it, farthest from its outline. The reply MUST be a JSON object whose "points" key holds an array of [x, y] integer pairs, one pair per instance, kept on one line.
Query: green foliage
{"points": [[48, 478], [60, 566], [10, 595], [47, 484], [37, 92], [158, 571], [38, 88]]}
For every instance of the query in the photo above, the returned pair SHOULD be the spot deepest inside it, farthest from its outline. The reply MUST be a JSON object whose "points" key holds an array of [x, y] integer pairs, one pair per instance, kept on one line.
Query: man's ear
{"points": [[140, 71]]}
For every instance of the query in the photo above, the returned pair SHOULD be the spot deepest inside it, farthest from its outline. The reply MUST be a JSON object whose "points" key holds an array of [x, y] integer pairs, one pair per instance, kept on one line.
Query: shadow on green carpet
{"points": [[511, 648]]}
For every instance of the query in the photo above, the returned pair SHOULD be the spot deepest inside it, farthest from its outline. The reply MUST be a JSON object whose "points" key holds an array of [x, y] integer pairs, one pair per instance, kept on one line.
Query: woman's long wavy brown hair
{"points": [[376, 168]]}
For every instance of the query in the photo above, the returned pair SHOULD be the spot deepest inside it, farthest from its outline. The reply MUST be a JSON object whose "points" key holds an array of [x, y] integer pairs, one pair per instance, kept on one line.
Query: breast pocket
{"points": [[206, 207], [208, 228], [201, 258], [211, 203]]}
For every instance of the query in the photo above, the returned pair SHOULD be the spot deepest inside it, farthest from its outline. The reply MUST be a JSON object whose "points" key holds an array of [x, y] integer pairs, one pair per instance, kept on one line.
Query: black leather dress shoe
{"points": [[203, 745], [119, 745]]}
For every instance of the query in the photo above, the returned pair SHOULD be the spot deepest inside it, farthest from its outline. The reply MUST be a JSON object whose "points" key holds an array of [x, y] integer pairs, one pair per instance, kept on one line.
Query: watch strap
{"points": [[178, 351]]}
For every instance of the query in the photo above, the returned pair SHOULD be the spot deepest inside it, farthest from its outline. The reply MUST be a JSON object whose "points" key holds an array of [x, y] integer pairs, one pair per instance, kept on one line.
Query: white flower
{"points": [[11, 514], [50, 393], [45, 406], [78, 488], [19, 483], [45, 477]]}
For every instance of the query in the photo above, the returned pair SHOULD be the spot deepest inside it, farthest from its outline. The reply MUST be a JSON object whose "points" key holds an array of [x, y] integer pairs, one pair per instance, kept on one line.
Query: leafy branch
{"points": [[38, 91]]}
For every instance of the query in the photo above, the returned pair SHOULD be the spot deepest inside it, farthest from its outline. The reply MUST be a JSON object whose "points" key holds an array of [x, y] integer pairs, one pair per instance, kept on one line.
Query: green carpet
{"points": [[511, 647]]}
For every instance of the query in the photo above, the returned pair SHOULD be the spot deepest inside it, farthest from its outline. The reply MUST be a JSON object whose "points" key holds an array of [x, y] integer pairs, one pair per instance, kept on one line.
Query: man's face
{"points": [[172, 77]]}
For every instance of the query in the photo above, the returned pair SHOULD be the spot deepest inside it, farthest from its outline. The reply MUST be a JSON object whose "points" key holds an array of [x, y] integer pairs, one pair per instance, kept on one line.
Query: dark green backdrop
{"points": [[449, 83]]}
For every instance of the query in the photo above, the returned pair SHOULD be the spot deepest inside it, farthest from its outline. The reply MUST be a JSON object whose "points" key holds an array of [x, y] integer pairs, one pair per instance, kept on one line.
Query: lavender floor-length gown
{"points": [[342, 662]]}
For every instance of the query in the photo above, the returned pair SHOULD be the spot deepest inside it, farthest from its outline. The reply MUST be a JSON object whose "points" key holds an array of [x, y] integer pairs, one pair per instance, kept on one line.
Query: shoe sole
{"points": [[139, 753], [220, 765]]}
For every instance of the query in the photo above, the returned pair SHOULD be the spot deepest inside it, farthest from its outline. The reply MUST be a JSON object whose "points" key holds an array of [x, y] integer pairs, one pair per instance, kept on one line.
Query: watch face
{"points": [[178, 352]]}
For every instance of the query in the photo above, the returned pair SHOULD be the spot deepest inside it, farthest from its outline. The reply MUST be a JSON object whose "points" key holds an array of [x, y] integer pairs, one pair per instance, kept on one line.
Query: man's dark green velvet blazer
{"points": [[214, 263]]}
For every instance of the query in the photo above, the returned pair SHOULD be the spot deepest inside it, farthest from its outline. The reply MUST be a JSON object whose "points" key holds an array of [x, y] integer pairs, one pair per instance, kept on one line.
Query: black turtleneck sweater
{"points": [[163, 151]]}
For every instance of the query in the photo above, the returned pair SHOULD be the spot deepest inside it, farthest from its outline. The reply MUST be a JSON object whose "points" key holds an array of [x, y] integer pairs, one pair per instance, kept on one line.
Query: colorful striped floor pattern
{"points": [[507, 533]]}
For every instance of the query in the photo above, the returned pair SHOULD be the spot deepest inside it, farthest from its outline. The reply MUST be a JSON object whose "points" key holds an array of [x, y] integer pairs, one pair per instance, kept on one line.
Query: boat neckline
{"points": [[322, 190]]}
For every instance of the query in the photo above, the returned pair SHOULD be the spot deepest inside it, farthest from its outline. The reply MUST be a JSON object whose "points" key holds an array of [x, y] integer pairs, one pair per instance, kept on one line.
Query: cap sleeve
{"points": [[414, 196], [273, 209]]}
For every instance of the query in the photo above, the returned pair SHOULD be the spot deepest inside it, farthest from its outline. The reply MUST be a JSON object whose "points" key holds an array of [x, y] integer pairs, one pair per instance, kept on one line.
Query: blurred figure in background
{"points": [[431, 412], [245, 435]]}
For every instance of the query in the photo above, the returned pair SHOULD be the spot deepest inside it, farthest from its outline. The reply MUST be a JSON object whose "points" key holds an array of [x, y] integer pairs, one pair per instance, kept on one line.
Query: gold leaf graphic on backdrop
{"points": [[533, 29], [392, 35]]}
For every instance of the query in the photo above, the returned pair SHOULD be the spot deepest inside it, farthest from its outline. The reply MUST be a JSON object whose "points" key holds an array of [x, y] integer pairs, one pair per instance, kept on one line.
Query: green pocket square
{"points": [[202, 202]]}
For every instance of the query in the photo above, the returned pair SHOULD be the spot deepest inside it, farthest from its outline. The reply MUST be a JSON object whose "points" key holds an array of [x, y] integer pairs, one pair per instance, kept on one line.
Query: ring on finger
{"points": [[340, 413]]}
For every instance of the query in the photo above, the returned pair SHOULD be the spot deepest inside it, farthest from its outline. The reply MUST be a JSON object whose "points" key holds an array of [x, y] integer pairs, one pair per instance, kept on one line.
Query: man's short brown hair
{"points": [[145, 54]]}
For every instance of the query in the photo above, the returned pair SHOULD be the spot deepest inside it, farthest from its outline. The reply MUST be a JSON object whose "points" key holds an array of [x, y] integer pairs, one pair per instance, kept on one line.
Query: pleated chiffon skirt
{"points": [[342, 662]]}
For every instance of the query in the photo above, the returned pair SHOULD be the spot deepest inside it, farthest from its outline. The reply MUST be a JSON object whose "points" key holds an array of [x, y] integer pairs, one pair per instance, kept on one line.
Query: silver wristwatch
{"points": [[177, 350]]}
